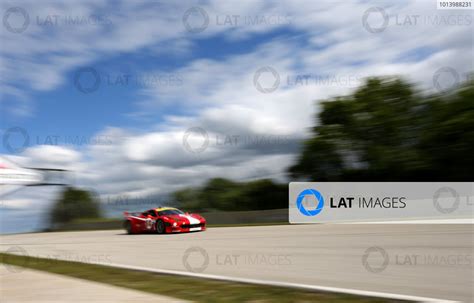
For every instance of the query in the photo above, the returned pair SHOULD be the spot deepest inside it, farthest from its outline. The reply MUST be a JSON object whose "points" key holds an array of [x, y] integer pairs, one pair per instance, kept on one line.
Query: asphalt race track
{"points": [[420, 260]]}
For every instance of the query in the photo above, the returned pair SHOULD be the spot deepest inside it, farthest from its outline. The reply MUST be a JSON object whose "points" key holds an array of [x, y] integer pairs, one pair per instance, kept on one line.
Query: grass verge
{"points": [[187, 288]]}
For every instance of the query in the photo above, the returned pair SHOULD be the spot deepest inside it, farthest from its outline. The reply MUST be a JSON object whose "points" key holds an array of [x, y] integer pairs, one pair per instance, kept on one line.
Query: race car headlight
{"points": [[174, 224]]}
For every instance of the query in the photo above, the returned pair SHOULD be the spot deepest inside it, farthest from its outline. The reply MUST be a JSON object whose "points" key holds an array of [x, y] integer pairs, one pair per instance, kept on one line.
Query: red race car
{"points": [[163, 220]]}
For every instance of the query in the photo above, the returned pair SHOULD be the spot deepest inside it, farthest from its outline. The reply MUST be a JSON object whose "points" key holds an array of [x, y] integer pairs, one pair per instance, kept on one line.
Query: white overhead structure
{"points": [[14, 176]]}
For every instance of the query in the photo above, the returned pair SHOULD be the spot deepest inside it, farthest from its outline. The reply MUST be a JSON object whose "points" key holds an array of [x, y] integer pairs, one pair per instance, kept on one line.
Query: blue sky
{"points": [[77, 113], [140, 139]]}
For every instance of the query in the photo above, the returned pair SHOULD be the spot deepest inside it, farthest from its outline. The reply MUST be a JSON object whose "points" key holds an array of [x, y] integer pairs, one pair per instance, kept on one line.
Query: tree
{"points": [[227, 195], [74, 204], [387, 131], [448, 138]]}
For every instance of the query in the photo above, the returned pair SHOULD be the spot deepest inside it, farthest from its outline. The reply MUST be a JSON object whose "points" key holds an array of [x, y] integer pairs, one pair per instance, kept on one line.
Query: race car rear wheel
{"points": [[128, 226], [160, 227]]}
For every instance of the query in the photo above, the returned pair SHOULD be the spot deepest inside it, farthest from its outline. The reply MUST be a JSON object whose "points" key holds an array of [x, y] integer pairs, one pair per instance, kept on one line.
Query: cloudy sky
{"points": [[144, 97]]}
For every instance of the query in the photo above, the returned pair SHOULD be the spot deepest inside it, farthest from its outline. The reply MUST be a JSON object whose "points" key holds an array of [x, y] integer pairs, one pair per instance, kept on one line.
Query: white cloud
{"points": [[52, 156]]}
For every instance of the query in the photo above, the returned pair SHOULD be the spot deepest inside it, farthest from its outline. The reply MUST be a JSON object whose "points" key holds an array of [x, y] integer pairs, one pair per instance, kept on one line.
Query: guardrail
{"points": [[213, 218]]}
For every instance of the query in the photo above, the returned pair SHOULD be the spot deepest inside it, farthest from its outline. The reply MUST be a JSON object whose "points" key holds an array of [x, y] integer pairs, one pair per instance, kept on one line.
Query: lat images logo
{"points": [[304, 197]]}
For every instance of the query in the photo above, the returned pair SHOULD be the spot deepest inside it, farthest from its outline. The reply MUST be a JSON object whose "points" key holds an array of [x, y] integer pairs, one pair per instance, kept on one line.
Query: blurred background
{"points": [[216, 107]]}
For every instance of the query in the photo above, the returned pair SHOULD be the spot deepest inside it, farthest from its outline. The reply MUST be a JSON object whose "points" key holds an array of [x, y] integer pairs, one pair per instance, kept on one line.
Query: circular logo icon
{"points": [[310, 193], [9, 141], [446, 72], [18, 251], [20, 12], [257, 81], [199, 250], [189, 137], [191, 15], [375, 29], [454, 197], [378, 252], [87, 80]]}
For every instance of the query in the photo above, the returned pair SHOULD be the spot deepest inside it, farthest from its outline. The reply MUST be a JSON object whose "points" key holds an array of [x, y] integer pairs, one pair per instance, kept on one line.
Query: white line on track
{"points": [[309, 287], [415, 221]]}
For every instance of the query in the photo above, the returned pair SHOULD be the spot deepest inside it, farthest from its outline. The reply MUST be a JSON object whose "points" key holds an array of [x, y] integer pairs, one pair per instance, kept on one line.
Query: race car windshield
{"points": [[171, 212]]}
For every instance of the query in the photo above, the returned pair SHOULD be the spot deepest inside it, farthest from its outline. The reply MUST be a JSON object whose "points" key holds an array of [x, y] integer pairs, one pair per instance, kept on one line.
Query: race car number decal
{"points": [[148, 223]]}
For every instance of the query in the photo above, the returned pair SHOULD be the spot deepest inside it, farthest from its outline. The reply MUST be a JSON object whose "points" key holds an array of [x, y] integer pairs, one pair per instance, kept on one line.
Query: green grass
{"points": [[194, 289]]}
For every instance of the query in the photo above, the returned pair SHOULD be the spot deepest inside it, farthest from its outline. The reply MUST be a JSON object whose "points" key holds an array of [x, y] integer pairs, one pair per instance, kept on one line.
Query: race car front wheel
{"points": [[160, 227]]}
